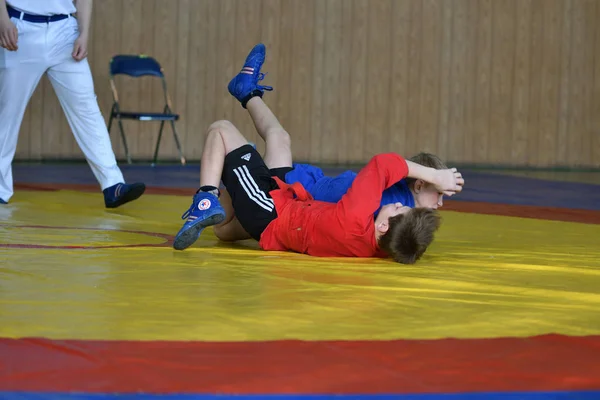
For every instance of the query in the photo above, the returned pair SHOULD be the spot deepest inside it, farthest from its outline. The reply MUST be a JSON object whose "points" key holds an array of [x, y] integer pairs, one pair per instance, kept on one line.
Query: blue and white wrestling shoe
{"points": [[245, 85], [206, 210]]}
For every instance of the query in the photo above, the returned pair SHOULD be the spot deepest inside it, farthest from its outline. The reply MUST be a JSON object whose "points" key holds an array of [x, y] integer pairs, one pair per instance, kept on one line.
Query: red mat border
{"points": [[541, 363]]}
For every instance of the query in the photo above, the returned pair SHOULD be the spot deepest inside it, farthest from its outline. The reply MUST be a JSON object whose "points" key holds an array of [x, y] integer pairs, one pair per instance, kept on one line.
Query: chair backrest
{"points": [[135, 66]]}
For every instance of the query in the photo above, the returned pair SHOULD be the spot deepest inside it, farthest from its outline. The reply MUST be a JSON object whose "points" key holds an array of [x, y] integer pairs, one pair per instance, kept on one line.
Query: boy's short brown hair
{"points": [[426, 160], [410, 234]]}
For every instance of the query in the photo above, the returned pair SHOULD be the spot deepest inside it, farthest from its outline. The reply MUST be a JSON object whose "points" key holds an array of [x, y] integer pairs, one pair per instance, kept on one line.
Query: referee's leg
{"points": [[17, 84], [73, 83]]}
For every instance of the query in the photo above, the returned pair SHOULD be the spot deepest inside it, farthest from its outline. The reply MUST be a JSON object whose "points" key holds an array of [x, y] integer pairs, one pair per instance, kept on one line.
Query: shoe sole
{"points": [[189, 236]]}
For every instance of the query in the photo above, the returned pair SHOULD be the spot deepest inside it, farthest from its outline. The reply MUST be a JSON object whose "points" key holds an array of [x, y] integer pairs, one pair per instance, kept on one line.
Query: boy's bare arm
{"points": [[447, 181]]}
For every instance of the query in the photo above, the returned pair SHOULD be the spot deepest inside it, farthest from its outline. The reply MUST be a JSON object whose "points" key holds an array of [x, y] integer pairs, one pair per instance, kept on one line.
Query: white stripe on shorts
{"points": [[252, 190], [256, 188]]}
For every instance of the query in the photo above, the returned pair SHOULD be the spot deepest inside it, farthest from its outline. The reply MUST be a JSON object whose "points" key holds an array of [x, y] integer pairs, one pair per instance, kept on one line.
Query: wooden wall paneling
{"points": [[565, 84], [469, 124], [149, 87], [344, 101], [535, 80], [281, 66], [318, 81], [503, 61], [415, 50], [378, 79], [550, 74], [331, 90], [198, 64], [165, 45], [445, 70], [300, 85], [247, 34], [483, 52], [582, 45], [520, 90], [107, 38], [179, 80], [214, 82], [128, 88], [398, 93], [226, 56], [428, 115], [595, 119], [487, 81], [358, 82], [590, 58], [459, 80], [270, 36]]}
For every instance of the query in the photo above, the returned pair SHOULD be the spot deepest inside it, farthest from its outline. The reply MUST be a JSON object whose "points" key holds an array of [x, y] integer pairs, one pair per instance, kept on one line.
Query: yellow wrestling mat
{"points": [[74, 270]]}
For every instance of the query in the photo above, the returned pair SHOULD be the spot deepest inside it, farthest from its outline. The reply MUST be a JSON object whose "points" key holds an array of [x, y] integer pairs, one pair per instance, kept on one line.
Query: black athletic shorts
{"points": [[248, 182]]}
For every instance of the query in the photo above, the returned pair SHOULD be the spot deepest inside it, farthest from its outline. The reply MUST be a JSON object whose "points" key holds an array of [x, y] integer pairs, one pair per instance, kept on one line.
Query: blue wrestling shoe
{"points": [[205, 211], [3, 202], [122, 193], [245, 85]]}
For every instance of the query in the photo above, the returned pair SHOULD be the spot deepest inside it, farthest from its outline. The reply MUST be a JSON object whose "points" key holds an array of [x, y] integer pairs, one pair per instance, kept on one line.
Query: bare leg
{"points": [[222, 138], [230, 229], [278, 152], [231, 232], [227, 204]]}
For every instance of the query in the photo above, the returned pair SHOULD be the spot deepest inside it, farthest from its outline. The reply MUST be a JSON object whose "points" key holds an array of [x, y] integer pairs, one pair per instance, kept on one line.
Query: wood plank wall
{"points": [[513, 82]]}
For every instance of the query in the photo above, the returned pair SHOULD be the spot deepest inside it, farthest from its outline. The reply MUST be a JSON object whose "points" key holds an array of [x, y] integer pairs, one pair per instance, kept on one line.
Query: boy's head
{"points": [[424, 193], [405, 233]]}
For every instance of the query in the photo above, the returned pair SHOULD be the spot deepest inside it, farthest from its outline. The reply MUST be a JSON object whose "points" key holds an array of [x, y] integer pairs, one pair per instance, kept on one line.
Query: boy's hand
{"points": [[448, 181]]}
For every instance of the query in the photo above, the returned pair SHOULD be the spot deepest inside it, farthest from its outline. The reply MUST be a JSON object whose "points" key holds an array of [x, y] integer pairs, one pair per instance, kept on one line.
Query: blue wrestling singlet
{"points": [[331, 189]]}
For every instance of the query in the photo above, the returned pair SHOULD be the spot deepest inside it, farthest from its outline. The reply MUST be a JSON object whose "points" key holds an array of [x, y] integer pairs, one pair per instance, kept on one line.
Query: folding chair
{"points": [[137, 66]]}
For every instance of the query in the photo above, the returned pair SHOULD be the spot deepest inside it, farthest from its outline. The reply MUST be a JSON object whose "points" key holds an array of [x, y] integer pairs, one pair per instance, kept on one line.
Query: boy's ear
{"points": [[383, 227], [418, 186]]}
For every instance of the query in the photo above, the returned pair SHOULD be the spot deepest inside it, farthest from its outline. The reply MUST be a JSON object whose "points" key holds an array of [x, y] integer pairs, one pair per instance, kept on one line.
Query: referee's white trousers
{"points": [[47, 48]]}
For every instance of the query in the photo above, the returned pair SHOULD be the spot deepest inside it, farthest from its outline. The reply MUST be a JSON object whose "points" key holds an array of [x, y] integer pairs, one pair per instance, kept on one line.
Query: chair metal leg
{"points": [[176, 137], [124, 140], [110, 122], [162, 125]]}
